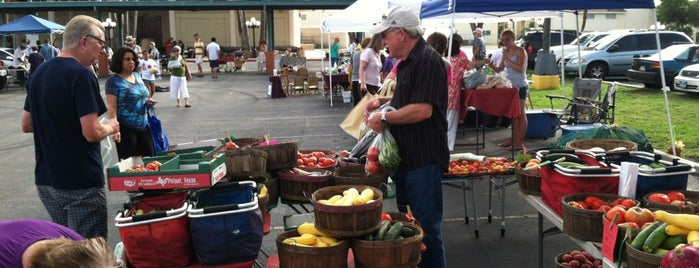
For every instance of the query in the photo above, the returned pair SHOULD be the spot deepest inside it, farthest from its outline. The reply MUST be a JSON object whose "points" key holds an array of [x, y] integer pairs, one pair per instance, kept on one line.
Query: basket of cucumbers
{"points": [[395, 244]]}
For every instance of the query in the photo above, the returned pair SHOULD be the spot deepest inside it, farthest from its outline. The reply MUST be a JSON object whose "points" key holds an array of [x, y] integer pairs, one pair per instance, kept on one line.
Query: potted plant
{"points": [[679, 145]]}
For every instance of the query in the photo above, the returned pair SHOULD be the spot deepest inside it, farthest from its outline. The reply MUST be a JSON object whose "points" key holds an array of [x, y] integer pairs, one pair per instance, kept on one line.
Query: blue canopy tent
{"points": [[441, 8], [30, 24]]}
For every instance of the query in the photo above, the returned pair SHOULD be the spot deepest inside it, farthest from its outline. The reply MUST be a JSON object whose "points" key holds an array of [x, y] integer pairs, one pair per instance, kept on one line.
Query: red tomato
{"points": [[659, 198], [604, 208], [344, 153], [299, 162], [590, 201], [151, 166], [675, 195], [678, 203], [639, 215], [372, 154], [318, 154], [453, 164], [616, 210], [328, 162], [628, 203], [576, 204], [372, 167], [299, 156], [386, 216]]}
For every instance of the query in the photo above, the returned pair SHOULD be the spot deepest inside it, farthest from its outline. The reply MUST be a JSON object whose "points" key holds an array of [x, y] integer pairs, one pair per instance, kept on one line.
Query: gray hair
{"points": [[78, 27], [414, 32]]}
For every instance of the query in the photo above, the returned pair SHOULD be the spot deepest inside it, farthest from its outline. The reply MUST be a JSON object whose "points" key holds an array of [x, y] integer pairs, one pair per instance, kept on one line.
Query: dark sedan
{"points": [[647, 70]]}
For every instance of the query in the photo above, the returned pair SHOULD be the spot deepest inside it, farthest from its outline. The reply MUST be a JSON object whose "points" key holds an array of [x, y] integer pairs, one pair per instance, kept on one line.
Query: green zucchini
{"points": [[638, 241], [382, 231], [407, 232], [671, 242], [655, 238], [394, 231]]}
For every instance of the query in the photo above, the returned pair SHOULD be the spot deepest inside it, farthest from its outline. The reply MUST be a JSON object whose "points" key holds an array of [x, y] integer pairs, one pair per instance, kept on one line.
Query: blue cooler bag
{"points": [[226, 223], [673, 176]]}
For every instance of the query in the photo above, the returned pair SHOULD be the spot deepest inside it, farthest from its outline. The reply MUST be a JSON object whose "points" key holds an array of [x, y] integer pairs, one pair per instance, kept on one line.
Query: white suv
{"points": [[583, 41], [612, 55]]}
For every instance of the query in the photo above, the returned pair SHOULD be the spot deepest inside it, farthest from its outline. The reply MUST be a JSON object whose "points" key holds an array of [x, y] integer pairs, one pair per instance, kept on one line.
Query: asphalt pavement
{"points": [[238, 103]]}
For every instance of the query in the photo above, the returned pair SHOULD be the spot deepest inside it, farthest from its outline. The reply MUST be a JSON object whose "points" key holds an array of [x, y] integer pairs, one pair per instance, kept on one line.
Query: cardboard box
{"points": [[174, 173], [540, 124]]}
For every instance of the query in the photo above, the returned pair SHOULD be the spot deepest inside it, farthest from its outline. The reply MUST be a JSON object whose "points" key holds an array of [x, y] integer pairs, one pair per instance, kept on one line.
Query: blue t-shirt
{"points": [[17, 235], [131, 100], [60, 92]]}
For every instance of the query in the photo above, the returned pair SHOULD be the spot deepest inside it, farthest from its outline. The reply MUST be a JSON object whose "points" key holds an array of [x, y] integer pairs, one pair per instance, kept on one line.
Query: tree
{"points": [[678, 15]]}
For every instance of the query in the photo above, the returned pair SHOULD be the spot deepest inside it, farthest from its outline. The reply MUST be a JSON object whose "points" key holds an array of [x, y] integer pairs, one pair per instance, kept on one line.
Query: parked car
{"points": [[647, 70], [612, 54], [687, 80], [583, 41], [532, 42], [7, 56]]}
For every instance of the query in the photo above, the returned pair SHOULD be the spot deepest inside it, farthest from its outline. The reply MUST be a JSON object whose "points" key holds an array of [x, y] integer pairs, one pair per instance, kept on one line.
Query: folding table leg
{"points": [[463, 191], [490, 200], [475, 206], [502, 205]]}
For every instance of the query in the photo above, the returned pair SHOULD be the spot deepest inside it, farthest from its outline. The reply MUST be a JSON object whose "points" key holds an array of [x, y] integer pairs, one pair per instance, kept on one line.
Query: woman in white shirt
{"points": [[370, 66]]}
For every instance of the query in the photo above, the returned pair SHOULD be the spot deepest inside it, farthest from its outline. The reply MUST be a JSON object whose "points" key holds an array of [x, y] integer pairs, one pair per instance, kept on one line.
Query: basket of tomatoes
{"points": [[583, 213], [686, 202]]}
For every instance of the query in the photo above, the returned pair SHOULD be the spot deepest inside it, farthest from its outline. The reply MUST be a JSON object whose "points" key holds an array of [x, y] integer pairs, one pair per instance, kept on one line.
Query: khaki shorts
{"points": [[199, 59]]}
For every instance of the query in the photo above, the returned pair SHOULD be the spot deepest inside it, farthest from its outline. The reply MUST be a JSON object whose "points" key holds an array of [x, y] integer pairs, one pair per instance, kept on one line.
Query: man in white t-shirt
{"points": [[213, 51], [199, 53]]}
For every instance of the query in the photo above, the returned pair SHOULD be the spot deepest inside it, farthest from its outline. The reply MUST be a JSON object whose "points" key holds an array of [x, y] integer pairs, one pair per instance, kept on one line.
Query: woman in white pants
{"points": [[179, 77]]}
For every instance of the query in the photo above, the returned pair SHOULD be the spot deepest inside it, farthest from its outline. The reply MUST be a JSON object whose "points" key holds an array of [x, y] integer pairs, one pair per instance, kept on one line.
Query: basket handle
{"points": [[149, 216], [678, 168], [562, 151], [220, 208], [305, 194]]}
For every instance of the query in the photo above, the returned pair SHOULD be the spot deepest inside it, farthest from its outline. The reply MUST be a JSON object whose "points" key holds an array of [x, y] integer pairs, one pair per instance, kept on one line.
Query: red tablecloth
{"points": [[497, 101], [277, 89], [337, 79]]}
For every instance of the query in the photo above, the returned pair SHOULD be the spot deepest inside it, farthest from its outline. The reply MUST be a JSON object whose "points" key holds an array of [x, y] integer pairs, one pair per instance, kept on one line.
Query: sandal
{"points": [[187, 105], [505, 144]]}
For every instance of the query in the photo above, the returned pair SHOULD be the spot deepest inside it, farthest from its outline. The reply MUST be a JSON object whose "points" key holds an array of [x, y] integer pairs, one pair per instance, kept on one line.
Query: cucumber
{"points": [[571, 165], [569, 158], [382, 231], [638, 241], [394, 231], [655, 238], [407, 232], [672, 242]]}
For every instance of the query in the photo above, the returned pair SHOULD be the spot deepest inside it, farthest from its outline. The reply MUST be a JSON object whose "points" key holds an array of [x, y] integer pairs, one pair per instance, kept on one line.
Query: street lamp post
{"points": [[253, 24], [109, 24]]}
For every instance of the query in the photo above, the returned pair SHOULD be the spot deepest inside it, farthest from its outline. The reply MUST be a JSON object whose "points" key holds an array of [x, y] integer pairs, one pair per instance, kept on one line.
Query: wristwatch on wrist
{"points": [[383, 118]]}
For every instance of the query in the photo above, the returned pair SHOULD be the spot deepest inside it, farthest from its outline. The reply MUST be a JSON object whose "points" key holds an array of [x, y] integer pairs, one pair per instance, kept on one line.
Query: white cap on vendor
{"points": [[398, 17], [129, 40], [176, 48], [478, 30]]}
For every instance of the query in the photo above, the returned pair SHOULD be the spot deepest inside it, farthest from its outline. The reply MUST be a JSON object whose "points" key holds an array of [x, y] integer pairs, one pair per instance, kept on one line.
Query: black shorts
{"points": [[134, 142], [213, 63]]}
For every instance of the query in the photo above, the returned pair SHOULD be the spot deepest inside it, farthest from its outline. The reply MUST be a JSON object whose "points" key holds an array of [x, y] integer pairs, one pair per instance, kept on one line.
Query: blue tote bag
{"points": [[160, 142]]}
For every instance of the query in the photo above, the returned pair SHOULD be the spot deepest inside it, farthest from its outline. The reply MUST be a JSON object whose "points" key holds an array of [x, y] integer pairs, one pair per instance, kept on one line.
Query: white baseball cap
{"points": [[398, 17]]}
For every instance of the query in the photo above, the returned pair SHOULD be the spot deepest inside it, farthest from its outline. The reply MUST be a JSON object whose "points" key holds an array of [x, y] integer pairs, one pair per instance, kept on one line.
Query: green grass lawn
{"points": [[644, 109]]}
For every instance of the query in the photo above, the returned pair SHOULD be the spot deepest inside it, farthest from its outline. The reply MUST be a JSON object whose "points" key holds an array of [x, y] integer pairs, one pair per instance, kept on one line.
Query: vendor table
{"points": [[13, 78], [545, 211], [496, 101], [277, 88], [495, 181], [339, 82], [292, 61]]}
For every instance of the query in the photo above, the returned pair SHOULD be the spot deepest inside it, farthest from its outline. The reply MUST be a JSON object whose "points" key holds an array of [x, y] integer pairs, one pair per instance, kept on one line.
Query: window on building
{"points": [[610, 16], [590, 16]]}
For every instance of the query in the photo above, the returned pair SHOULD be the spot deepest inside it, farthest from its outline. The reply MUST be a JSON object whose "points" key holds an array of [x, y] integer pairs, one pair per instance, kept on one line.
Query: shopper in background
{"points": [[128, 100], [179, 77], [479, 52], [199, 48], [131, 43], [514, 63], [370, 66], [148, 69], [213, 52], [418, 125], [62, 111], [35, 59], [335, 52], [40, 243], [47, 50], [357, 94]]}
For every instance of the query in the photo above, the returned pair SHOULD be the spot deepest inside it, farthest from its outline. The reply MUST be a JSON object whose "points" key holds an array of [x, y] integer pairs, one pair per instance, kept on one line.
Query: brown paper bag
{"points": [[354, 122]]}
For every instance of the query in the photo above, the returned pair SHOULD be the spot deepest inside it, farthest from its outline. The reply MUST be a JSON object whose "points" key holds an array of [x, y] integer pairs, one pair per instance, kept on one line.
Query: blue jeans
{"points": [[334, 61], [421, 188]]}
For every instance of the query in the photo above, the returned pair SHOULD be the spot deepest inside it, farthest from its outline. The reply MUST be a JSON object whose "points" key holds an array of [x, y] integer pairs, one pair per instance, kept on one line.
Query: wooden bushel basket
{"points": [[291, 256], [390, 253], [584, 224], [355, 175], [639, 259], [529, 180], [242, 142], [246, 163], [606, 144], [298, 187], [281, 156], [347, 221], [272, 184]]}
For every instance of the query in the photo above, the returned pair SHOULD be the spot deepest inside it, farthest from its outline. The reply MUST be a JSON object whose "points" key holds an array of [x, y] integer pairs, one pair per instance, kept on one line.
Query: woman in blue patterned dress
{"points": [[128, 101]]}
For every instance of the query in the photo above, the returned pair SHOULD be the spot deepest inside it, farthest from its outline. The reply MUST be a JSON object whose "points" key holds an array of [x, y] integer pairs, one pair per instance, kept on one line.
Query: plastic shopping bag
{"points": [[389, 155], [160, 141], [475, 79], [108, 148], [372, 165]]}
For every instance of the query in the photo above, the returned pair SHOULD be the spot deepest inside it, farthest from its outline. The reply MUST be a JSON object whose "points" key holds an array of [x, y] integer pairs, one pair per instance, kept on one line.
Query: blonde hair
{"points": [[63, 252], [78, 27]]}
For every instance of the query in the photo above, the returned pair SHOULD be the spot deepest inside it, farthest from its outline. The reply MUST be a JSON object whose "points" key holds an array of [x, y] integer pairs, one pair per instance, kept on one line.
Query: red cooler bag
{"points": [[557, 181]]}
